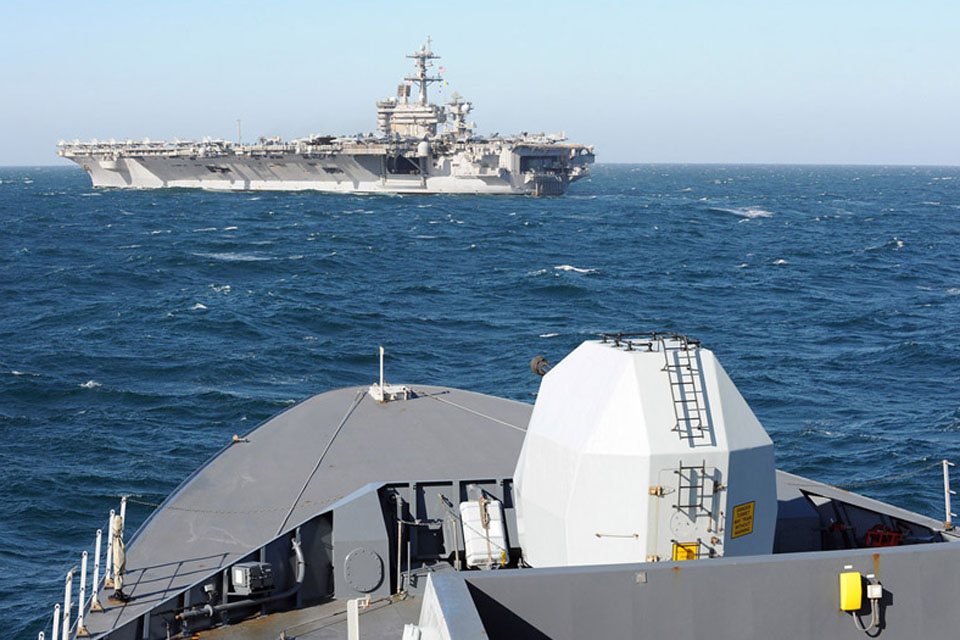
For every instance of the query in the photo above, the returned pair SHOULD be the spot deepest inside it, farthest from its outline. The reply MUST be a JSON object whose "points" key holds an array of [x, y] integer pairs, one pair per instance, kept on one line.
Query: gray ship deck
{"points": [[239, 500], [335, 445], [383, 620]]}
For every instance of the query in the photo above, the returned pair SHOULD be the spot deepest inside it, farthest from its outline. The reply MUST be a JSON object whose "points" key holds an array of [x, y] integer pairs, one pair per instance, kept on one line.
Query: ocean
{"points": [[140, 330]]}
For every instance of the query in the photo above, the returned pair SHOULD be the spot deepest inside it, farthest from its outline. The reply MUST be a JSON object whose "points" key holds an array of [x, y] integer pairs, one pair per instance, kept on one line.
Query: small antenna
{"points": [[383, 392], [381, 368], [239, 137]]}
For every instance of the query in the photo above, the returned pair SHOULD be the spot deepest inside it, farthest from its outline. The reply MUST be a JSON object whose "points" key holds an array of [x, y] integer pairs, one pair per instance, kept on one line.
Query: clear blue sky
{"points": [[666, 81]]}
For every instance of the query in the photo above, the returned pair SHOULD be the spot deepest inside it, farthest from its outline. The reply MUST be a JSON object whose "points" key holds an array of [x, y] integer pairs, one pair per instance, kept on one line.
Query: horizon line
{"points": [[632, 163]]}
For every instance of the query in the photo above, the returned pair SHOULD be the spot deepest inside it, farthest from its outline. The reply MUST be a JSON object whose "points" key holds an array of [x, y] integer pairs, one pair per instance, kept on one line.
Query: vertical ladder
{"points": [[692, 480], [686, 387]]}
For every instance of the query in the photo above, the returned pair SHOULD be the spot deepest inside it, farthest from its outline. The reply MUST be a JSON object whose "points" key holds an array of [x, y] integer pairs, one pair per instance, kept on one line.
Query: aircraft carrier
{"points": [[638, 498], [419, 147]]}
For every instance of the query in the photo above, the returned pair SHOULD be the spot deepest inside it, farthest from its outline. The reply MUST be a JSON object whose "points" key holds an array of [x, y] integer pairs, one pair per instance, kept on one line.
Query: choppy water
{"points": [[140, 330]]}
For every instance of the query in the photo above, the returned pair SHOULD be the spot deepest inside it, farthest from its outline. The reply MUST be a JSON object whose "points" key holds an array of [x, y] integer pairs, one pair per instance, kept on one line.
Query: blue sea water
{"points": [[140, 330]]}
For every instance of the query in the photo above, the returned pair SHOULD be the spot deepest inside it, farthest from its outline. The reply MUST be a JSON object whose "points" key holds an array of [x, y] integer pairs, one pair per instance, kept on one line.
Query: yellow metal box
{"points": [[851, 591], [686, 550]]}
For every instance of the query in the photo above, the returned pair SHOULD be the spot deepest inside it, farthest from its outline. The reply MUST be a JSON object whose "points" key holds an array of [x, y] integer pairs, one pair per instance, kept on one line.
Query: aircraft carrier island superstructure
{"points": [[420, 147]]}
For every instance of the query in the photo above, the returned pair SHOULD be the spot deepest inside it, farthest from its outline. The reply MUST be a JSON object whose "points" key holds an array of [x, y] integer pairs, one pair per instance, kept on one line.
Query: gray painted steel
{"points": [[338, 471], [383, 620], [779, 596], [237, 501]]}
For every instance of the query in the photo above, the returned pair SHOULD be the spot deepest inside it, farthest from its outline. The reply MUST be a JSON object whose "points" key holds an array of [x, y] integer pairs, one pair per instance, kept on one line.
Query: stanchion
{"points": [[95, 588], [81, 630], [947, 492], [67, 597], [56, 622]]}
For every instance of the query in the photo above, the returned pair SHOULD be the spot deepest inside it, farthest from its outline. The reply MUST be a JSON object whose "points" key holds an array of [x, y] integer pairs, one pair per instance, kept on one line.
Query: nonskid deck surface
{"points": [[241, 498], [382, 620]]}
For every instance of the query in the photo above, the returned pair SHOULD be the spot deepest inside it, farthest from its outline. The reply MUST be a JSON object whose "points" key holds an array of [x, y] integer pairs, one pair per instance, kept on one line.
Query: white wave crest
{"points": [[549, 335], [747, 212], [91, 384], [198, 307], [567, 267], [230, 256]]}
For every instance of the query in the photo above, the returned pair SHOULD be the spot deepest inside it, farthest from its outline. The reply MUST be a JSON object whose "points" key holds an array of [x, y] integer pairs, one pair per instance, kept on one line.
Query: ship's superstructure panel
{"points": [[642, 449]]}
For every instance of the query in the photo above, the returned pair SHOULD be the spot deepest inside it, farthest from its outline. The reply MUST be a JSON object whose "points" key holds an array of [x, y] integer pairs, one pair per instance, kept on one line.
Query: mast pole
{"points": [[421, 57]]}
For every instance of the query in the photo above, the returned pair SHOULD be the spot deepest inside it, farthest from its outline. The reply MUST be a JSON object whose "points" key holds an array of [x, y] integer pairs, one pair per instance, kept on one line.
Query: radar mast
{"points": [[423, 57]]}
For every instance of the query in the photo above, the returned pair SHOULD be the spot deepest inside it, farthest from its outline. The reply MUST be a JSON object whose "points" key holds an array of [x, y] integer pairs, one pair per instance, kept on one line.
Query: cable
{"points": [[343, 421], [216, 511], [382, 602], [469, 410], [874, 618], [862, 483]]}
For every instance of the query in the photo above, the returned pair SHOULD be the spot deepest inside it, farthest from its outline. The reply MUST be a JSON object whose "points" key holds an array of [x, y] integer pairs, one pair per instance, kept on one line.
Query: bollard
{"points": [[95, 588], [56, 622], [67, 597], [81, 631], [108, 574]]}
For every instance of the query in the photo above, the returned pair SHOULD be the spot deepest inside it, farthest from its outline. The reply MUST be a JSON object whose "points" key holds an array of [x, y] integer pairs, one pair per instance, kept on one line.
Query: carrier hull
{"points": [[235, 168]]}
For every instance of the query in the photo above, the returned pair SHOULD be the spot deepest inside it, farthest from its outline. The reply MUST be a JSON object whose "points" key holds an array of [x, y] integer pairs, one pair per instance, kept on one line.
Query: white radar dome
{"points": [[639, 449]]}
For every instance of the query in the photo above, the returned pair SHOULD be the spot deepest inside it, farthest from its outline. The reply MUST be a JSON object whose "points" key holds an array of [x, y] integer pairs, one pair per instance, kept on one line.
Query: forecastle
{"points": [[420, 147]]}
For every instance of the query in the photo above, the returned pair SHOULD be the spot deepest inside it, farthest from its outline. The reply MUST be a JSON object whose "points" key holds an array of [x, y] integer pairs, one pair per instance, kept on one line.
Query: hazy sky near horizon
{"points": [[856, 81]]}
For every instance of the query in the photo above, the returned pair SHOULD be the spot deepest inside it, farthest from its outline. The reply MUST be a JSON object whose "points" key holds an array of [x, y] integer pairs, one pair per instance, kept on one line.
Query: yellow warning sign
{"points": [[686, 550], [742, 520]]}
